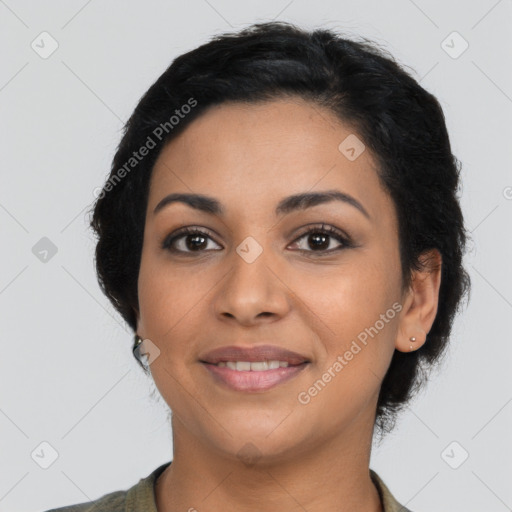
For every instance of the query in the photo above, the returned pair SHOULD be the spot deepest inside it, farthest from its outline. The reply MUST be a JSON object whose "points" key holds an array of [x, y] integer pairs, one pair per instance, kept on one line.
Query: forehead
{"points": [[255, 154]]}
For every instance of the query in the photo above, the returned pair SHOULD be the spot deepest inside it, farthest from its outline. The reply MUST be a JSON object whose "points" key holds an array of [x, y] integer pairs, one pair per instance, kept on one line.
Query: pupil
{"points": [[322, 237], [319, 241], [193, 246]]}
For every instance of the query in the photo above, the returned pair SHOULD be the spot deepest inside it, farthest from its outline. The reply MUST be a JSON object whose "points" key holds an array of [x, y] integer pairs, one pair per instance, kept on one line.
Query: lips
{"points": [[253, 354], [253, 369]]}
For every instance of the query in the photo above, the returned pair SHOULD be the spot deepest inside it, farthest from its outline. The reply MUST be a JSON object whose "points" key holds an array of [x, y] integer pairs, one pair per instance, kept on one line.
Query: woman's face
{"points": [[255, 277]]}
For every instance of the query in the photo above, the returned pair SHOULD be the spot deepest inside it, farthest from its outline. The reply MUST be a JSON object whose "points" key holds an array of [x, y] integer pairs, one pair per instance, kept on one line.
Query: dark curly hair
{"points": [[401, 123]]}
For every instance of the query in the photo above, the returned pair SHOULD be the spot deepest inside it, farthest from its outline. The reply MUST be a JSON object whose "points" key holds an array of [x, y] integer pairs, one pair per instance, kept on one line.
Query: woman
{"points": [[282, 232]]}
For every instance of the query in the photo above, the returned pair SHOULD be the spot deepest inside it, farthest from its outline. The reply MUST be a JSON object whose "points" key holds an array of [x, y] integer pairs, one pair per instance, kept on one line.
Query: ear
{"points": [[421, 303]]}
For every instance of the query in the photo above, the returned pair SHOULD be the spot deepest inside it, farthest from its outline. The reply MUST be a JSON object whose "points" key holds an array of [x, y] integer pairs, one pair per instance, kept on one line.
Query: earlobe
{"points": [[411, 337], [421, 304]]}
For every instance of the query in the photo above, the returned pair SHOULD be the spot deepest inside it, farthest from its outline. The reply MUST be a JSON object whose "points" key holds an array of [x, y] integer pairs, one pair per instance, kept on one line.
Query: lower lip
{"points": [[253, 380]]}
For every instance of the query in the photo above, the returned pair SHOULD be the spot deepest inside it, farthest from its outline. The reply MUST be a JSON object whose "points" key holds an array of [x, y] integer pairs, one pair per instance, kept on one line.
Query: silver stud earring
{"points": [[137, 342]]}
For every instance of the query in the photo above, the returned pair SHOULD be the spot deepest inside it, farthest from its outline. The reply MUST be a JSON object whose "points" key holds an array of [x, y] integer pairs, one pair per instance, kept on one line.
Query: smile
{"points": [[256, 366], [254, 376]]}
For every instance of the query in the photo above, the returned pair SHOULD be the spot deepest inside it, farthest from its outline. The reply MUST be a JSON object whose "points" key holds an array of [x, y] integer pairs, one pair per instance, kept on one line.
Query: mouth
{"points": [[253, 369], [252, 380]]}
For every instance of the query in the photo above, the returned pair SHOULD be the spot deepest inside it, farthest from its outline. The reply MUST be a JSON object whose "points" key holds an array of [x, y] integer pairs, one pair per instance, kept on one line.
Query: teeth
{"points": [[256, 366]]}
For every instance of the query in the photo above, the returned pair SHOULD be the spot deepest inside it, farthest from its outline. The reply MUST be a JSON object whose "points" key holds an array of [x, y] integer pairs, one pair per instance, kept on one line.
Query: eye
{"points": [[189, 240], [320, 238], [195, 240]]}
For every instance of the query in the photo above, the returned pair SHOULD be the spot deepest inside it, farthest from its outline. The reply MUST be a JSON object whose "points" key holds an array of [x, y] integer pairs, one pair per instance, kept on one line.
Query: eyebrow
{"points": [[287, 205]]}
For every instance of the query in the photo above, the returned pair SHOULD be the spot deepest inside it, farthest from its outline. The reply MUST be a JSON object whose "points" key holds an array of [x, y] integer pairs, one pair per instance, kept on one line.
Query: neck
{"points": [[331, 476]]}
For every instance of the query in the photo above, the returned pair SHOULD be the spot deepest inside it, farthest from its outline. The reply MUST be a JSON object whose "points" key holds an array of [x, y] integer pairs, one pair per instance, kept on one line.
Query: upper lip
{"points": [[251, 354]]}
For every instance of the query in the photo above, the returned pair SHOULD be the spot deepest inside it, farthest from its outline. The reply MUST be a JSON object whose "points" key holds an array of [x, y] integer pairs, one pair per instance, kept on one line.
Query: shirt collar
{"points": [[142, 495]]}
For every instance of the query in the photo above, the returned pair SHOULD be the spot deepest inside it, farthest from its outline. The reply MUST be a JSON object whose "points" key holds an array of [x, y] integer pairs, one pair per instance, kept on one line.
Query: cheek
{"points": [[345, 297], [171, 298], [157, 296], [350, 309]]}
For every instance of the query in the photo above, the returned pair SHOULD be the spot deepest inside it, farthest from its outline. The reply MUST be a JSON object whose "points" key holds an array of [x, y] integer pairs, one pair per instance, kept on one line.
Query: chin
{"points": [[258, 444]]}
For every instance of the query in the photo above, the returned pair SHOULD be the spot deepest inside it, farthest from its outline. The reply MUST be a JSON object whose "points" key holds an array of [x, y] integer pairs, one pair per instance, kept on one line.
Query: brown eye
{"points": [[189, 240], [319, 239]]}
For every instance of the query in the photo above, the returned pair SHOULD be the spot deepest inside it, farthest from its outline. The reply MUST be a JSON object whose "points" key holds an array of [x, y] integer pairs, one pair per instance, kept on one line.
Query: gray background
{"points": [[67, 374]]}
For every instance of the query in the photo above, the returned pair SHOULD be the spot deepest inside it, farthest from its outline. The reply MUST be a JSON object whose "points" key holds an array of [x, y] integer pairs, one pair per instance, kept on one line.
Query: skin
{"points": [[249, 157]]}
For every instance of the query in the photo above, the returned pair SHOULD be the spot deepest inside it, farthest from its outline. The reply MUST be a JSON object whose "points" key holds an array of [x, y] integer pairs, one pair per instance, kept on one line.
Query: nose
{"points": [[252, 291]]}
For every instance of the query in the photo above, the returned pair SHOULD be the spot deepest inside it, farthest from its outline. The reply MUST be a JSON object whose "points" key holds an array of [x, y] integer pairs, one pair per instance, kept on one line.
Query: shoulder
{"points": [[112, 502], [140, 497], [389, 502]]}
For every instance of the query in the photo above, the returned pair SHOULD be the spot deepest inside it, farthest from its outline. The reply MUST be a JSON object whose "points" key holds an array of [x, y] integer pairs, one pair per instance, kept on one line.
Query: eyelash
{"points": [[168, 242]]}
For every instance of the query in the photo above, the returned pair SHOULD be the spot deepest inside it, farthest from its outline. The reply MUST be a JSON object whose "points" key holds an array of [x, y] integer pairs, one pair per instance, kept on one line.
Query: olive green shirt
{"points": [[141, 497]]}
